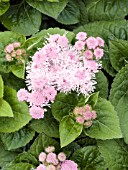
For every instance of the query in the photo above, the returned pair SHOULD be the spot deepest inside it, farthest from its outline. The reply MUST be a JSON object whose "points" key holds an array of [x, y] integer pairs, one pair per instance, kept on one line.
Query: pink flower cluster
{"points": [[60, 66], [50, 161], [13, 52], [85, 115]]}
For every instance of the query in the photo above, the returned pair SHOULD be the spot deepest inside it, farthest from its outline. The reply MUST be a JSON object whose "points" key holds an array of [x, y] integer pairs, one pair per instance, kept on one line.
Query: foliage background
{"points": [[22, 139]]}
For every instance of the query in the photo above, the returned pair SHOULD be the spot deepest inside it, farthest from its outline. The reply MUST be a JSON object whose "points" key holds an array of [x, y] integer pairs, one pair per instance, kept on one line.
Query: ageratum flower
{"points": [[60, 66]]}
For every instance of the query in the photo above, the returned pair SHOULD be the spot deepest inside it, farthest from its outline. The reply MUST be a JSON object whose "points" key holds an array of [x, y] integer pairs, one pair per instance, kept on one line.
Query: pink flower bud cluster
{"points": [[60, 66], [85, 115], [13, 52], [51, 161]]}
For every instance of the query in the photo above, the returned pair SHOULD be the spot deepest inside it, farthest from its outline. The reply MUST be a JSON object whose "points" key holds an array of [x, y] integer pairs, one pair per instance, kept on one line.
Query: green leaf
{"points": [[4, 7], [12, 81], [20, 111], [118, 52], [106, 63], [42, 142], [12, 37], [26, 157], [47, 125], [69, 130], [18, 166], [63, 104], [106, 9], [70, 14], [115, 154], [92, 99], [6, 156], [86, 141], [5, 109], [17, 139], [19, 70], [1, 87], [83, 12], [102, 84], [70, 149], [119, 98], [106, 126], [22, 19], [50, 9], [89, 158]]}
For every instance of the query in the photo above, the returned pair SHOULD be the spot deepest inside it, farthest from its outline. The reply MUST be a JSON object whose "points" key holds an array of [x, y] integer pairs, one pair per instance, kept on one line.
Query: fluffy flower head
{"points": [[62, 67]]}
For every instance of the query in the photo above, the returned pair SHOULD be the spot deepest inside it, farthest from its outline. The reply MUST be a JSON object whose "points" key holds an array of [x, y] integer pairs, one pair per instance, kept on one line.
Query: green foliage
{"points": [[115, 154], [26, 157], [18, 166], [63, 104], [69, 130], [47, 125], [50, 9], [118, 52], [1, 87], [6, 156], [70, 14], [4, 6], [119, 96], [19, 70], [42, 142], [98, 10], [18, 17], [106, 126], [89, 158], [17, 139], [5, 109], [93, 98]]}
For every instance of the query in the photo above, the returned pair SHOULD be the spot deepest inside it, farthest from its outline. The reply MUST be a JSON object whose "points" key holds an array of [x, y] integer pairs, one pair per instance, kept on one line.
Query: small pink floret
{"points": [[22, 95], [80, 45], [94, 115], [62, 156], [51, 158], [8, 57], [16, 44], [88, 115], [88, 124], [41, 167], [50, 149], [42, 156], [81, 36], [80, 119], [100, 42], [36, 112], [62, 40], [92, 43], [9, 48], [88, 54], [98, 52]]}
